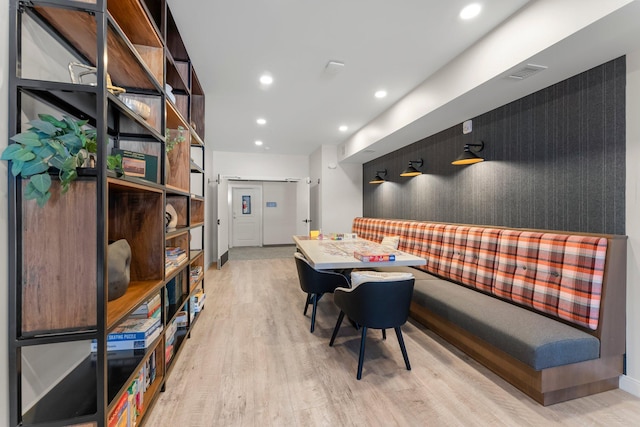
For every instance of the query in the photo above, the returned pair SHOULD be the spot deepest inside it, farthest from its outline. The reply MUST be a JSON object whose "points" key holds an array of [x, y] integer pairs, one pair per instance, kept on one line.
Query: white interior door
{"points": [[303, 210], [223, 220], [246, 211]]}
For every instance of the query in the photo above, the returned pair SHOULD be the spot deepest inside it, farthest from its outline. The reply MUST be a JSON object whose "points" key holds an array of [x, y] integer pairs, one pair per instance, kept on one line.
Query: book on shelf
{"points": [[120, 415], [198, 301], [134, 329], [129, 344], [196, 271], [181, 319], [174, 251], [177, 259], [371, 257], [149, 308]]}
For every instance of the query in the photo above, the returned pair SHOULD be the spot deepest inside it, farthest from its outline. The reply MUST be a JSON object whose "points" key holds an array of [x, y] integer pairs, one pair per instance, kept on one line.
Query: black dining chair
{"points": [[316, 283], [375, 305]]}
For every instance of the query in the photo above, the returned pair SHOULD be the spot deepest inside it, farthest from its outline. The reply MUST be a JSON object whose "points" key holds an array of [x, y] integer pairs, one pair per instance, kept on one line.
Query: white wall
{"points": [[260, 165], [631, 382], [341, 192], [4, 273], [256, 165], [315, 173], [279, 221]]}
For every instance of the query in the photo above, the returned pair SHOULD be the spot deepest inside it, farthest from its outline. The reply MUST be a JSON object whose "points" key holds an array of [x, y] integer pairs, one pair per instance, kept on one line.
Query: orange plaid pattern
{"points": [[557, 274]]}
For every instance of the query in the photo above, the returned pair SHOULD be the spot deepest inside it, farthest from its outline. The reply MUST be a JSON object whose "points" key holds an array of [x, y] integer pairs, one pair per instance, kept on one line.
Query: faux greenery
{"points": [[171, 142], [61, 144]]}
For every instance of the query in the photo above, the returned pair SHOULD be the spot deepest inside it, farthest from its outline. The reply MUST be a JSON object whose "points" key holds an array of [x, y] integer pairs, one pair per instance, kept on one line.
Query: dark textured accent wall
{"points": [[554, 160]]}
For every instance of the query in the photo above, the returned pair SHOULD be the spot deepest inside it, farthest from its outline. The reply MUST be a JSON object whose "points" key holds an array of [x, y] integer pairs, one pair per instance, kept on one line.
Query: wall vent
{"points": [[527, 71]]}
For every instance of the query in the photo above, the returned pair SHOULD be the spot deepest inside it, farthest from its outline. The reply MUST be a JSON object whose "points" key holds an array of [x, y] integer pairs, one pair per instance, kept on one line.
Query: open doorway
{"points": [[260, 212]]}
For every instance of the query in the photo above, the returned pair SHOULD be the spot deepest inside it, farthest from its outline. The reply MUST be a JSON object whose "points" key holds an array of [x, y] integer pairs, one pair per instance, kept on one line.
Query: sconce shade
{"points": [[468, 157], [411, 170], [378, 179]]}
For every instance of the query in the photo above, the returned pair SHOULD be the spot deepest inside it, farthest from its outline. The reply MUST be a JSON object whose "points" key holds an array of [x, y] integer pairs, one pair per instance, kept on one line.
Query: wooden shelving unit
{"points": [[58, 293]]}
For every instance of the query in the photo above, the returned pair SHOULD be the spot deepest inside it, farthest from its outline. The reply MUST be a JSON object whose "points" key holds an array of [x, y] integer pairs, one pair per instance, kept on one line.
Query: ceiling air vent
{"points": [[527, 71]]}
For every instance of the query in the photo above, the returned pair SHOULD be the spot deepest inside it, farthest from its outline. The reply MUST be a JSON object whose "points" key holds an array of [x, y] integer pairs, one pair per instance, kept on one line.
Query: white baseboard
{"points": [[630, 385]]}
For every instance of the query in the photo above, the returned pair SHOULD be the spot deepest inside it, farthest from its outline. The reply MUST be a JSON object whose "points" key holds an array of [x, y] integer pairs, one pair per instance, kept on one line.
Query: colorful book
{"points": [[119, 416], [148, 308], [371, 257], [134, 329]]}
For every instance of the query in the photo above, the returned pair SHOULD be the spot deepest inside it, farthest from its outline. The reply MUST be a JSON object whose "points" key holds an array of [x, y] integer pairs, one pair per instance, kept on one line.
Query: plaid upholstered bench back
{"points": [[560, 275]]}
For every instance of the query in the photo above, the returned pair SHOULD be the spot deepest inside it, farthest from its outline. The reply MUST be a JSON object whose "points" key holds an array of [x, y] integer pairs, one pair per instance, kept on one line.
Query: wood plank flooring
{"points": [[251, 361]]}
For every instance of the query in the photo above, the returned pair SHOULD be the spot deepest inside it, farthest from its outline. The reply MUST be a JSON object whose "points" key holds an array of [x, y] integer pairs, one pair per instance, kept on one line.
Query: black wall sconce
{"points": [[379, 178], [468, 157], [411, 170]]}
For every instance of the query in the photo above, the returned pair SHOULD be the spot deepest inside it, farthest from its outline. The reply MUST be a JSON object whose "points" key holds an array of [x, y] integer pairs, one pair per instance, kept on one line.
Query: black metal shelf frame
{"points": [[87, 393]]}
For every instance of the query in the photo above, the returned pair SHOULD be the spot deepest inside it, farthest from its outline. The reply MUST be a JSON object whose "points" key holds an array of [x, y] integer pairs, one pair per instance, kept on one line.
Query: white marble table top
{"points": [[325, 254]]}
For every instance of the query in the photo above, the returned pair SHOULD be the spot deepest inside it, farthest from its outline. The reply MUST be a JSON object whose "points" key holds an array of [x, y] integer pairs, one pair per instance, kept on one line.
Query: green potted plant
{"points": [[51, 143], [172, 139]]}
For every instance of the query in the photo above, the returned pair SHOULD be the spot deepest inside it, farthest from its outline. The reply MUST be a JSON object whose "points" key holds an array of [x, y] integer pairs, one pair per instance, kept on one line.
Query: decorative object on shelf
{"points": [[379, 178], [411, 170], [137, 106], [169, 90], [62, 144], [119, 268], [139, 165], [171, 217], [49, 143], [77, 76], [173, 137], [468, 157]]}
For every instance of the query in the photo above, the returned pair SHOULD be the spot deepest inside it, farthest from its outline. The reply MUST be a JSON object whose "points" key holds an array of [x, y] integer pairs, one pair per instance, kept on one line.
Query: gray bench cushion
{"points": [[535, 340]]}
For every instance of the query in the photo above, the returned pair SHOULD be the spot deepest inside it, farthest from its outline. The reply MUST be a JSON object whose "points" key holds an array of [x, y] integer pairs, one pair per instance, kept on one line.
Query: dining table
{"points": [[330, 254]]}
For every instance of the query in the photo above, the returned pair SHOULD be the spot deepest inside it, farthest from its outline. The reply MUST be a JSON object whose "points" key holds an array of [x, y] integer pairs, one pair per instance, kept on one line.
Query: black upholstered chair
{"points": [[377, 305], [316, 283]]}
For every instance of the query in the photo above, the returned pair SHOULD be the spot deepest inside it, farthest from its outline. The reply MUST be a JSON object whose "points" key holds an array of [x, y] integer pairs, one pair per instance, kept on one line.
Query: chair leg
{"points": [[402, 347], [306, 304], [337, 328], [313, 312], [361, 358], [384, 334]]}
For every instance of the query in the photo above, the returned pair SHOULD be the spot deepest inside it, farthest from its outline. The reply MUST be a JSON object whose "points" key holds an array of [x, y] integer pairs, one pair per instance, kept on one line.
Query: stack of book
{"points": [[196, 271], [133, 333], [169, 340], [149, 308], [198, 301], [174, 256]]}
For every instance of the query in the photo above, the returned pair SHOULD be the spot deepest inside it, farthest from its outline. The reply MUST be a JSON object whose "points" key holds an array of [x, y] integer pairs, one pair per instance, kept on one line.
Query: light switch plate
{"points": [[467, 127]]}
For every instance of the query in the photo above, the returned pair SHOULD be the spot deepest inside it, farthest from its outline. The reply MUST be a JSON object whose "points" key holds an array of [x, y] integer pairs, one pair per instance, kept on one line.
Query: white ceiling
{"points": [[384, 44], [415, 47]]}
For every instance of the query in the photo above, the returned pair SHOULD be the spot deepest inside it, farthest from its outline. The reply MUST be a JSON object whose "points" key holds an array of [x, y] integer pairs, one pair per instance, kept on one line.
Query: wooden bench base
{"points": [[547, 386]]}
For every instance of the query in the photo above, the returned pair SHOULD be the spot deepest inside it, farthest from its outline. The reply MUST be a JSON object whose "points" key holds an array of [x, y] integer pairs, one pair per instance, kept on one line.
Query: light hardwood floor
{"points": [[251, 361]]}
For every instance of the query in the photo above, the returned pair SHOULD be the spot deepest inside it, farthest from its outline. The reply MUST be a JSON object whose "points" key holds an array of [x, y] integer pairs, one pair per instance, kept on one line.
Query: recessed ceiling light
{"points": [[261, 121], [470, 11], [266, 79], [258, 143], [381, 94], [343, 128]]}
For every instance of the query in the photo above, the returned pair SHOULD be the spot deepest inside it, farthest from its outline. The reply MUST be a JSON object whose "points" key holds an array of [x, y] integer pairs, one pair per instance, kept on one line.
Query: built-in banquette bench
{"points": [[544, 310]]}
